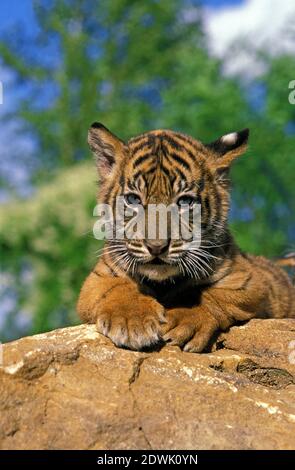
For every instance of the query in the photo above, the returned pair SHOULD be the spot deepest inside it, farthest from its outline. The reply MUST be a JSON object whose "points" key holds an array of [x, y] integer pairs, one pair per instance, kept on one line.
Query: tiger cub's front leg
{"points": [[193, 328], [254, 288], [120, 311], [189, 328]]}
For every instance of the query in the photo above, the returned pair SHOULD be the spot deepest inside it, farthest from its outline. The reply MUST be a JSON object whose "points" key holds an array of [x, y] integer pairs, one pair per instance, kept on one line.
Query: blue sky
{"points": [[220, 3], [16, 10]]}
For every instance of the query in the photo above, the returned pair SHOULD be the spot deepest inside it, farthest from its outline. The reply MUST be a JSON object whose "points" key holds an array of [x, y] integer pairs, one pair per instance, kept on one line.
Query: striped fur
{"points": [[188, 293]]}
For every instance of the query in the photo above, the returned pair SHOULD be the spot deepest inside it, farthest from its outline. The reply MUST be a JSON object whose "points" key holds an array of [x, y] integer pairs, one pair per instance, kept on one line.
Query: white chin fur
{"points": [[158, 273], [230, 139]]}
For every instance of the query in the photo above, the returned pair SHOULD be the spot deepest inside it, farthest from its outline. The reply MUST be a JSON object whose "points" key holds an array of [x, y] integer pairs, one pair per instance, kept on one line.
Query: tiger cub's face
{"points": [[167, 168]]}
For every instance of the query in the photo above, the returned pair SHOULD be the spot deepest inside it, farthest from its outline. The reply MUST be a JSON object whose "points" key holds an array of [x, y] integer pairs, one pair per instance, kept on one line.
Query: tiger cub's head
{"points": [[167, 168]]}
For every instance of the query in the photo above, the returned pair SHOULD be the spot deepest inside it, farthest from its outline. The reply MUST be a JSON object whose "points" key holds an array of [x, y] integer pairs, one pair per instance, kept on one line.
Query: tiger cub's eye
{"points": [[186, 201], [132, 199]]}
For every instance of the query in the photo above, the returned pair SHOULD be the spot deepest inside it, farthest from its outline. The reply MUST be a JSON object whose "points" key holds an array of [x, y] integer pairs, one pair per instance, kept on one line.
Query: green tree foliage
{"points": [[133, 66]]}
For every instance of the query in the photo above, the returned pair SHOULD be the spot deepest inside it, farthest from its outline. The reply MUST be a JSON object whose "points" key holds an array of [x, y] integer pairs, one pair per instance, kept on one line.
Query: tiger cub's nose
{"points": [[157, 247]]}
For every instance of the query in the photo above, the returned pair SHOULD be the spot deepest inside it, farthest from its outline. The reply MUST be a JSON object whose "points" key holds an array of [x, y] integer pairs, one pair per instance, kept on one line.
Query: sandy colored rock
{"points": [[72, 389]]}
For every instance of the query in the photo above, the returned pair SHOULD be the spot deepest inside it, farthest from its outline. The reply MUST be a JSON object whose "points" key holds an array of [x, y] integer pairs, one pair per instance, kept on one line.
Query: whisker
{"points": [[204, 253], [201, 261]]}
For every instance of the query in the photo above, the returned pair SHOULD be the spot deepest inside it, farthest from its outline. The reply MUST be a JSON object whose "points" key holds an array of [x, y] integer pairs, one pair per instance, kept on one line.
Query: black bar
{"points": [[137, 458]]}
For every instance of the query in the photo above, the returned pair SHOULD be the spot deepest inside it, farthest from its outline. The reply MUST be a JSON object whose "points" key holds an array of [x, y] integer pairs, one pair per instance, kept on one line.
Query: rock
{"points": [[72, 389]]}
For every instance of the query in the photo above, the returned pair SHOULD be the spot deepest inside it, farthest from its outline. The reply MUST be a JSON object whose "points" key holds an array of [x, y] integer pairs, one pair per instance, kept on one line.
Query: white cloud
{"points": [[235, 33]]}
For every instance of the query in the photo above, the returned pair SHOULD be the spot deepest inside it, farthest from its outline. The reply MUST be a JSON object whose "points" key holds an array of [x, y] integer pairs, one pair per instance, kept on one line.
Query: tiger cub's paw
{"points": [[189, 328], [134, 323]]}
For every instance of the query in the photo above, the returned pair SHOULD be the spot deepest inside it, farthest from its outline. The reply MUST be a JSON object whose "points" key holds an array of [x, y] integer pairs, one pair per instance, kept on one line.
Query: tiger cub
{"points": [[144, 291]]}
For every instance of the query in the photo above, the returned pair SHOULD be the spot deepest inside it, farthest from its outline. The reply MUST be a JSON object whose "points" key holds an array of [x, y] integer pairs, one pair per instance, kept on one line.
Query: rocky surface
{"points": [[72, 389]]}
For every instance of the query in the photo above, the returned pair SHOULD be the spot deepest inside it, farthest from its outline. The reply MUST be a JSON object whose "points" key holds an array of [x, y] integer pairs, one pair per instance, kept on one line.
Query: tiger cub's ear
{"points": [[228, 147], [105, 146]]}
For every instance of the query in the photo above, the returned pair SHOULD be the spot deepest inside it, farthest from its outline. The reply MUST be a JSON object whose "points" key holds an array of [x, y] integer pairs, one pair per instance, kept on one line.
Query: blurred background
{"points": [[205, 68]]}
